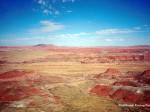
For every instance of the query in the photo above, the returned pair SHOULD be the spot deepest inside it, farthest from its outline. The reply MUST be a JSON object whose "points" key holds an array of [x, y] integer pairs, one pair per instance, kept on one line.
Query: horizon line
{"points": [[53, 45]]}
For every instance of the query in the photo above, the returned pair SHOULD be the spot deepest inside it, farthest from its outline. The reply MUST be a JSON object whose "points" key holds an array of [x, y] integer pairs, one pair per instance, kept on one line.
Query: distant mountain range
{"points": [[43, 45]]}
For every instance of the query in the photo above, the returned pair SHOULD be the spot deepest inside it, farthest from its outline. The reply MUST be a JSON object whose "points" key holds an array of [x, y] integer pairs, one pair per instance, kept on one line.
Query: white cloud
{"points": [[121, 39], [54, 12], [51, 7], [45, 11], [109, 40], [137, 28], [147, 25], [72, 35], [114, 39], [69, 11], [48, 26], [68, 0], [21, 39], [15, 39], [114, 31], [42, 2]]}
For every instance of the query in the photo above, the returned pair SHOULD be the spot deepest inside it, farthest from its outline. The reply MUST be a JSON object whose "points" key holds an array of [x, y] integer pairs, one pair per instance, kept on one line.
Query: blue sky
{"points": [[75, 22]]}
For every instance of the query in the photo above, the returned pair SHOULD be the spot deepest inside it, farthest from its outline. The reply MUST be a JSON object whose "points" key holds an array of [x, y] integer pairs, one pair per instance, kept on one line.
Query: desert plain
{"points": [[48, 78]]}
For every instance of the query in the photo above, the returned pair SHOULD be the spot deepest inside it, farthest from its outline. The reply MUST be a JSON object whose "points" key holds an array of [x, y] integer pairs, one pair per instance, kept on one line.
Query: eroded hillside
{"points": [[63, 79]]}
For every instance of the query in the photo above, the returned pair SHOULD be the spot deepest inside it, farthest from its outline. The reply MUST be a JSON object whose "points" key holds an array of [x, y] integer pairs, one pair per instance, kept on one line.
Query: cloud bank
{"points": [[47, 27]]}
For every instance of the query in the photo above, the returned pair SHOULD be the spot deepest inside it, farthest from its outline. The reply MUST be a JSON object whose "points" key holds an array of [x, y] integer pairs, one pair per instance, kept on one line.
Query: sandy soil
{"points": [[62, 79]]}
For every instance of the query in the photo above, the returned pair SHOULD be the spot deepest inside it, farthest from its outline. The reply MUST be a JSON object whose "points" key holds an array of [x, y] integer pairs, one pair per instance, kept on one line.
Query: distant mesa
{"points": [[43, 45], [109, 73], [112, 71]]}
